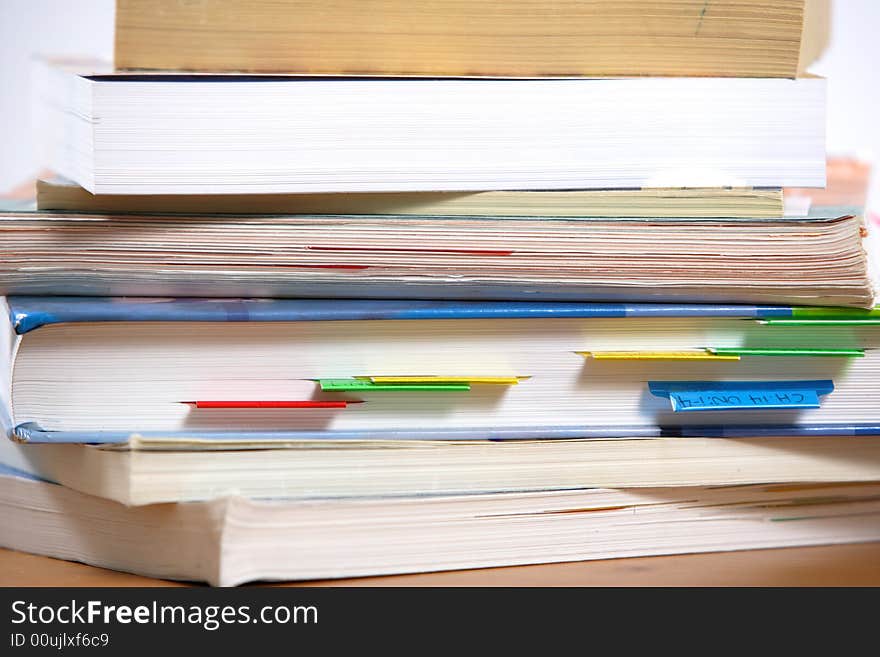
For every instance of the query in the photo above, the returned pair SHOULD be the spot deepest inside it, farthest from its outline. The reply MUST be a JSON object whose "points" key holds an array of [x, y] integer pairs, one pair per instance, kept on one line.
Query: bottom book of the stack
{"points": [[232, 540]]}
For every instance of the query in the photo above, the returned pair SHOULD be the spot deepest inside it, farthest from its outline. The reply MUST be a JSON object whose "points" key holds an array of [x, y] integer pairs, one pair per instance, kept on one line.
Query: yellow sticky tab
{"points": [[491, 380], [692, 354]]}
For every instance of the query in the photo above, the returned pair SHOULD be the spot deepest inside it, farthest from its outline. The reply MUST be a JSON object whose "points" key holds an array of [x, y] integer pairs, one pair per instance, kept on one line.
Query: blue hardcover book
{"points": [[101, 370]]}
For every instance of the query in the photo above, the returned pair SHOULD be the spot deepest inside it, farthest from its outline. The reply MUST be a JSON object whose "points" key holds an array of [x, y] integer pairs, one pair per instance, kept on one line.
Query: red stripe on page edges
{"points": [[319, 266], [370, 248]]}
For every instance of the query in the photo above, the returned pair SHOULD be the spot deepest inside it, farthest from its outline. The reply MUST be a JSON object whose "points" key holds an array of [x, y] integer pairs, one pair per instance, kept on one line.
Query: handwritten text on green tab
{"points": [[361, 385]]}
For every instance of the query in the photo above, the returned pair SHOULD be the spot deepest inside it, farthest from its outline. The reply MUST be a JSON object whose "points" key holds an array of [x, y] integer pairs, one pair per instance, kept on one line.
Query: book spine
{"points": [[32, 433]]}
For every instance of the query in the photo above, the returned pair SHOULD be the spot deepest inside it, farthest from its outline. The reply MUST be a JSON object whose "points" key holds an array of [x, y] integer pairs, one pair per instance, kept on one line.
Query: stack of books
{"points": [[433, 286]]}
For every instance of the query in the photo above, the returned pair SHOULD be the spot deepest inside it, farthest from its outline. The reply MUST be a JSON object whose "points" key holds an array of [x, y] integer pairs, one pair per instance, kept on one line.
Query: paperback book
{"points": [[235, 540], [819, 259], [745, 38], [139, 133]]}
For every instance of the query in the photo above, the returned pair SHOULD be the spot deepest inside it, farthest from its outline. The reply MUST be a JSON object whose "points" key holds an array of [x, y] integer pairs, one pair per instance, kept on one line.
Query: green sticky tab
{"points": [[823, 321], [838, 353], [818, 312], [364, 385], [820, 316]]}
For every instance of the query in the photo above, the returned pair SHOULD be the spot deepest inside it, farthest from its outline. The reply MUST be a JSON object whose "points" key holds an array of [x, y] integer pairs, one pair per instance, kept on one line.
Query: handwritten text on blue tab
{"points": [[740, 395]]}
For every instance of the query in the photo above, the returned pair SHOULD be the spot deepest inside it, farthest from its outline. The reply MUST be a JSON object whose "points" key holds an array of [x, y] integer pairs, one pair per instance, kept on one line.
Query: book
{"points": [[239, 134], [235, 540], [60, 194], [101, 370], [156, 470], [819, 259], [751, 38]]}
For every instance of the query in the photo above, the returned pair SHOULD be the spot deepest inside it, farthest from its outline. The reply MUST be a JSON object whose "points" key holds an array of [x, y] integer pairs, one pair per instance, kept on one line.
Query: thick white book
{"points": [[209, 134], [235, 540]]}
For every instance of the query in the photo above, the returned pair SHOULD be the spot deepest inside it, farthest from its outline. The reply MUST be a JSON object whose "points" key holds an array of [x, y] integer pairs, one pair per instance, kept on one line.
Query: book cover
{"points": [[30, 312]]}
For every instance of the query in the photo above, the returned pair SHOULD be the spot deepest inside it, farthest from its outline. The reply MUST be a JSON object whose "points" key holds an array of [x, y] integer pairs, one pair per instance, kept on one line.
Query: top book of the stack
{"points": [[470, 38]]}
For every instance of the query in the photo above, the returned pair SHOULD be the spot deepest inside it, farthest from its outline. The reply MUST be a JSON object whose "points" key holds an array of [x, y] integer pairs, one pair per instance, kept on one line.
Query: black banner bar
{"points": [[114, 621]]}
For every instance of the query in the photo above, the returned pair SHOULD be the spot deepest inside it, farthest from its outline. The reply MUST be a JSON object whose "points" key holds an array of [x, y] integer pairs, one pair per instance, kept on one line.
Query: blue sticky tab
{"points": [[740, 395]]}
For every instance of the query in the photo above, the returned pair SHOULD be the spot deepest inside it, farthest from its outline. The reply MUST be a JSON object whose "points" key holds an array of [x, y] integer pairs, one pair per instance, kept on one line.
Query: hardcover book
{"points": [[102, 370]]}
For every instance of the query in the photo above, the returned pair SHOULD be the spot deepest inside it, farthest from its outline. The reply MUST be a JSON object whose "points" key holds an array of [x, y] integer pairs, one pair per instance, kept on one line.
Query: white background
{"points": [[84, 28]]}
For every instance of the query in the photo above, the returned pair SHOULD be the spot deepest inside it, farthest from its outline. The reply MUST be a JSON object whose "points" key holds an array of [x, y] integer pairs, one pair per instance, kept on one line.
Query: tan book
{"points": [[522, 38], [817, 31], [59, 194], [156, 470]]}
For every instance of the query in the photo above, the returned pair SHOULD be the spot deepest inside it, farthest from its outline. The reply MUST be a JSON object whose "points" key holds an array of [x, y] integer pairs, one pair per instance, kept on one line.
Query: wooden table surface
{"points": [[840, 565]]}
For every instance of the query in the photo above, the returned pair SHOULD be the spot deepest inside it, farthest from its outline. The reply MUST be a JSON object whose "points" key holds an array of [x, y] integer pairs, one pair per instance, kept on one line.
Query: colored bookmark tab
{"points": [[272, 404], [809, 316], [830, 353], [690, 354], [819, 312], [441, 380], [345, 385], [827, 321], [740, 395]]}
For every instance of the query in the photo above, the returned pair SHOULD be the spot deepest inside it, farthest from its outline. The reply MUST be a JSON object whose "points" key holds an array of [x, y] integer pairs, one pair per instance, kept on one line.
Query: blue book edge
{"points": [[31, 312], [33, 433]]}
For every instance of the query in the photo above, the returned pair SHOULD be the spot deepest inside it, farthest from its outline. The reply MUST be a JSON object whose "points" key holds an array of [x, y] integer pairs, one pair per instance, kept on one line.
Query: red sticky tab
{"points": [[271, 404]]}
